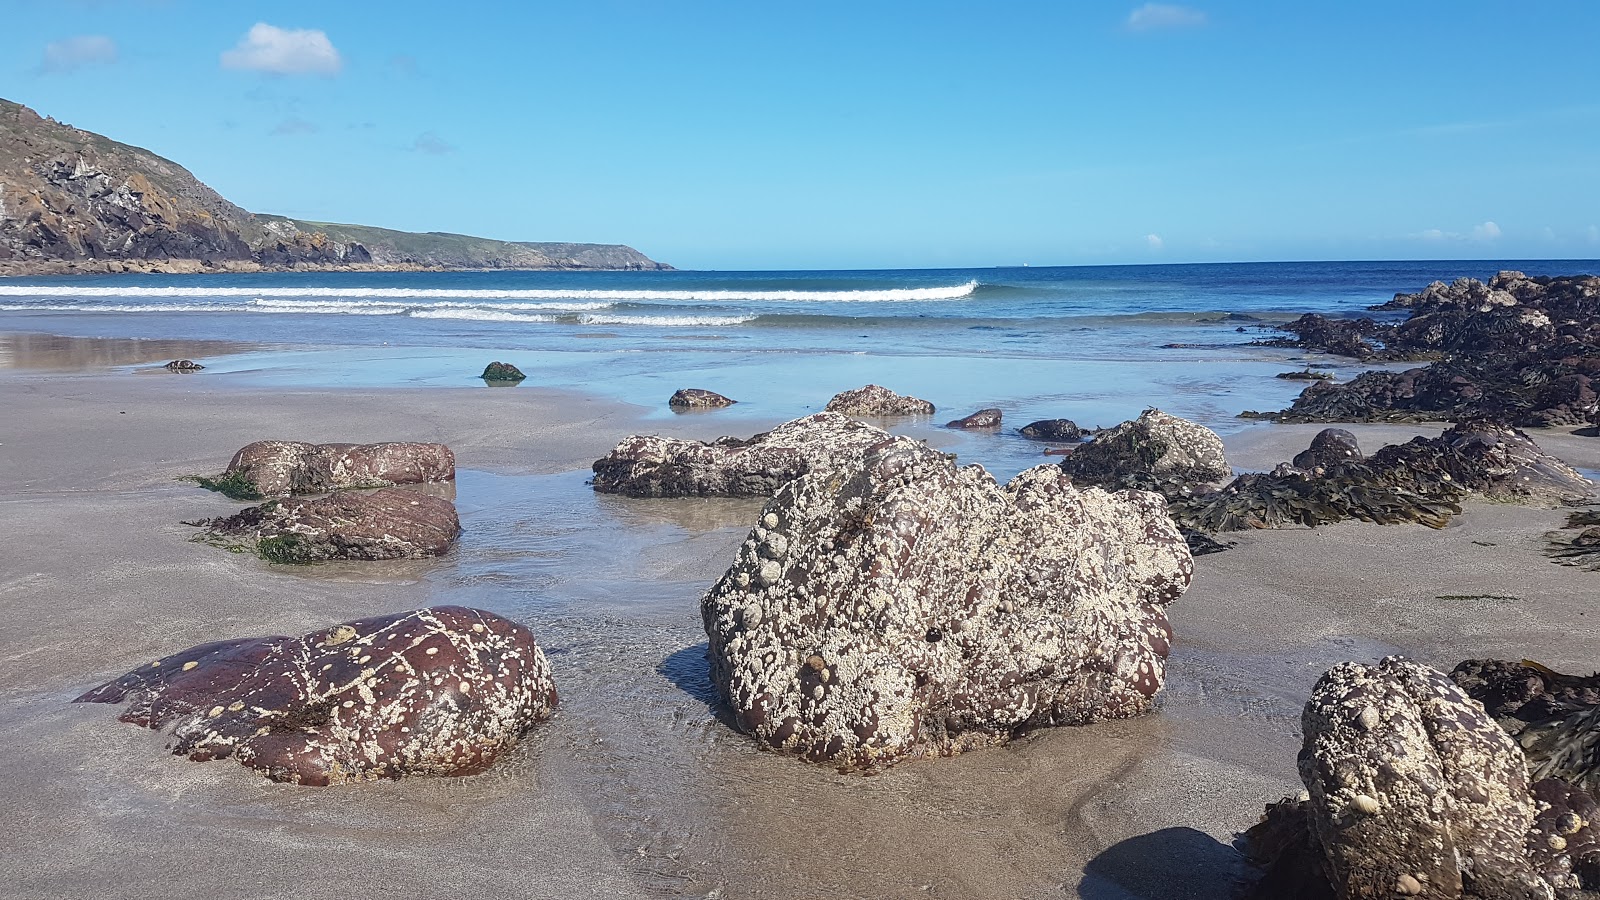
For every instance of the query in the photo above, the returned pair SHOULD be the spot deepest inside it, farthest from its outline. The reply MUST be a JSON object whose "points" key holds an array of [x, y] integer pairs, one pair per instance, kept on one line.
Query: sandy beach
{"points": [[636, 788]]}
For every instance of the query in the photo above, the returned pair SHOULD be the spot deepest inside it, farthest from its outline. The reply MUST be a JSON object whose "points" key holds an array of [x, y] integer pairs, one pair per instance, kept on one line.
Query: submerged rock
{"points": [[1063, 430], [1555, 717], [873, 400], [501, 372], [283, 468], [1413, 790], [436, 691], [183, 365], [390, 523], [647, 465], [910, 607], [697, 398], [982, 419], [1156, 451]]}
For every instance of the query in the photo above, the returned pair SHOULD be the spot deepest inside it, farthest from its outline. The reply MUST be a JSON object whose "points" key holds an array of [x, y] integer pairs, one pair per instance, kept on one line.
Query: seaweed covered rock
{"points": [[183, 365], [913, 607], [502, 372], [1064, 431], [436, 691], [284, 468], [1328, 449], [390, 523], [873, 400], [647, 465], [1156, 451], [698, 398], [983, 419], [1555, 717], [1412, 790]]}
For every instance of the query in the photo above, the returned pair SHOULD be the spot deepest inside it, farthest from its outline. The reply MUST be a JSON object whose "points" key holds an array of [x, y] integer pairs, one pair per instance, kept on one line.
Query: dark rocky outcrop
{"points": [[183, 365], [1156, 451], [437, 691], [982, 420], [1331, 447], [1524, 350], [1555, 717], [1413, 790], [873, 400], [502, 372], [1060, 430], [283, 468], [698, 398], [646, 465], [910, 607], [389, 523]]}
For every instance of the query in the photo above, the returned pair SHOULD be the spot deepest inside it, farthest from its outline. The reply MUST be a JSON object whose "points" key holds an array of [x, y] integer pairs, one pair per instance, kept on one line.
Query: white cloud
{"points": [[1434, 234], [78, 51], [295, 126], [1155, 241], [1152, 16], [430, 143], [1488, 231], [284, 51]]}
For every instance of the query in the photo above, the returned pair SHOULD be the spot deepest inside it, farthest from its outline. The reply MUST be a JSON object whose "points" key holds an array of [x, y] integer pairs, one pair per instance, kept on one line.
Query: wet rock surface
{"points": [[1413, 790], [697, 398], [1062, 430], [654, 466], [284, 468], [436, 691], [874, 400], [389, 523], [1328, 449], [982, 420], [1525, 350], [502, 372], [1555, 717], [1156, 451], [183, 365], [911, 607]]}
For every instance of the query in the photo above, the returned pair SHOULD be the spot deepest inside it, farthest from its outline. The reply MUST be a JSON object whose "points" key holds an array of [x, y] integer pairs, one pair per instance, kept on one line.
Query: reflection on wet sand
{"points": [[55, 353]]}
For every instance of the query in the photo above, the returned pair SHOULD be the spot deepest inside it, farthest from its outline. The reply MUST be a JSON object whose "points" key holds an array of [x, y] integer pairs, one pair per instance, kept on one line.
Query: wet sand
{"points": [[636, 789]]}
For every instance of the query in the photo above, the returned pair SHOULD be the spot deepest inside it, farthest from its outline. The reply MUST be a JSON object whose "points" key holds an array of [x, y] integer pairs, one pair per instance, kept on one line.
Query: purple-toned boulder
{"points": [[284, 468], [391, 523], [914, 607], [436, 691], [698, 398], [874, 400], [982, 420], [647, 465]]}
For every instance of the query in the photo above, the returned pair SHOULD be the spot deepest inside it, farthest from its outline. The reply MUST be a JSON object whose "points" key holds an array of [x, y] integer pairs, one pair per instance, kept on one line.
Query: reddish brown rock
{"points": [[437, 691], [391, 523], [980, 420], [874, 400], [698, 398], [283, 468]]}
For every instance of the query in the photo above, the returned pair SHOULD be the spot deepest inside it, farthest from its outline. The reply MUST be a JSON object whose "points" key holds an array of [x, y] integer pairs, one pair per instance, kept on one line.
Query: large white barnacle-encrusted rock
{"points": [[436, 691], [909, 606], [647, 465]]}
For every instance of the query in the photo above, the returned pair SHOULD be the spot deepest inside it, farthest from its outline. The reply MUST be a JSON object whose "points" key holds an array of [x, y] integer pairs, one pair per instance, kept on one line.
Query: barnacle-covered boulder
{"points": [[910, 607], [284, 468], [391, 523], [698, 398], [436, 691], [875, 400], [1156, 451], [1555, 717], [647, 465]]}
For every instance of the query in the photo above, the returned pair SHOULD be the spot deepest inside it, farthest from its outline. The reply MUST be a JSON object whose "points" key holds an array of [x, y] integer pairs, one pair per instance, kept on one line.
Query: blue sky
{"points": [[864, 134]]}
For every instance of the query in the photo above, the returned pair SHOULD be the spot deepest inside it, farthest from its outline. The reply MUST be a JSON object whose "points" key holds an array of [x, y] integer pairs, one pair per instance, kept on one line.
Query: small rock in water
{"points": [[436, 691], [390, 523], [873, 400], [1064, 430], [982, 419], [183, 365], [282, 468], [502, 372], [696, 398]]}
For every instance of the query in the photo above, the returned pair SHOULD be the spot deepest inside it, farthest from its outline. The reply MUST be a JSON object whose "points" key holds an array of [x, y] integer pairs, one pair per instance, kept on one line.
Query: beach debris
{"points": [[1521, 349], [183, 365], [697, 398], [501, 372], [873, 400], [653, 466], [1414, 790], [1555, 717], [285, 468], [912, 607], [1063, 430], [983, 419], [1156, 452], [436, 691], [389, 523]]}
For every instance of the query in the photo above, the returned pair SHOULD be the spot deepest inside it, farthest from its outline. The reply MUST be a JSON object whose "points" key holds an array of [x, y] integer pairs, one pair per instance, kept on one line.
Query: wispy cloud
{"points": [[284, 51], [294, 126], [1487, 231], [1156, 16], [430, 143], [78, 51], [1154, 241]]}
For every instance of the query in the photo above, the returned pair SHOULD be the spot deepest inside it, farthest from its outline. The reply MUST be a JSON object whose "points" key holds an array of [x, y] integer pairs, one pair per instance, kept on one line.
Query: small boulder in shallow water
{"points": [[698, 398], [1062, 430], [282, 468], [874, 400], [391, 523], [983, 419], [501, 372], [913, 607], [183, 365], [436, 691]]}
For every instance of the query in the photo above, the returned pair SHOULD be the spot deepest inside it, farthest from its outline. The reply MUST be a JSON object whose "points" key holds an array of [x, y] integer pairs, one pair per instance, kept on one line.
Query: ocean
{"points": [[1093, 344]]}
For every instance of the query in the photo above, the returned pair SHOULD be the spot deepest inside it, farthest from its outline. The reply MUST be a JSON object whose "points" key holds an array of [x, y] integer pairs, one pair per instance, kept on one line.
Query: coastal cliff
{"points": [[76, 201]]}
